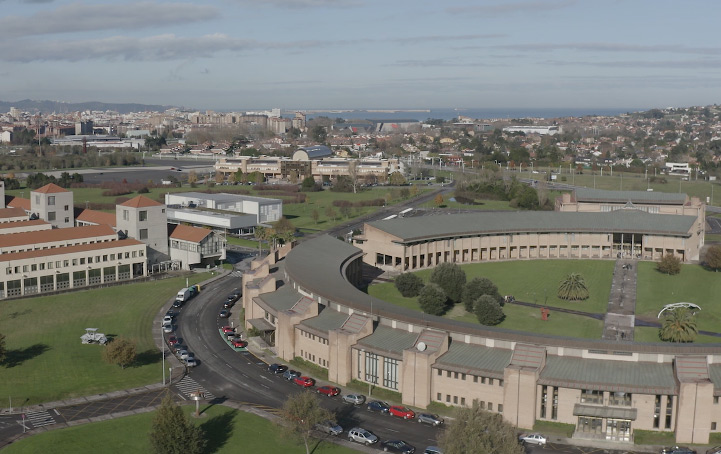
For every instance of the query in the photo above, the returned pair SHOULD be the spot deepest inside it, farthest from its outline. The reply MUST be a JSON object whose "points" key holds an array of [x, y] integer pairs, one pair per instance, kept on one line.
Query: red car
{"points": [[401, 412], [228, 329], [172, 340], [329, 391], [237, 343], [305, 382]]}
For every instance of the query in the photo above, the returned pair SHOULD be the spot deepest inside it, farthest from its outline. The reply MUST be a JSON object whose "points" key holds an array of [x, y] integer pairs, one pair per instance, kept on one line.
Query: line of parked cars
{"points": [[175, 343], [358, 434]]}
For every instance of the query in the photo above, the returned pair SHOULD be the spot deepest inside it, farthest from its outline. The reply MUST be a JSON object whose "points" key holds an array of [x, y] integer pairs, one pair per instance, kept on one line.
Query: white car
{"points": [[183, 354], [533, 439], [167, 328], [167, 319], [190, 361]]}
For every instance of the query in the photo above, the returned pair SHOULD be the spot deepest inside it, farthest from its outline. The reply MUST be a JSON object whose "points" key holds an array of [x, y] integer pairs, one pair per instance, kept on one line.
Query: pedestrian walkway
{"points": [[621, 313], [38, 418], [189, 386]]}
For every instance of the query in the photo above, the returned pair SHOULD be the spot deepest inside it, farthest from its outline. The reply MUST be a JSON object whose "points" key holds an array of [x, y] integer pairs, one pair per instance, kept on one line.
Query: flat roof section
{"points": [[282, 299], [326, 321], [645, 197], [475, 359], [472, 224], [223, 197], [388, 340]]}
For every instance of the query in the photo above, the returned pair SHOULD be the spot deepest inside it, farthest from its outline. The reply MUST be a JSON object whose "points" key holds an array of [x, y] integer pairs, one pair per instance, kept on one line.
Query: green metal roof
{"points": [[472, 358], [389, 340], [595, 374], [714, 372], [326, 321], [646, 197], [282, 299], [472, 224]]}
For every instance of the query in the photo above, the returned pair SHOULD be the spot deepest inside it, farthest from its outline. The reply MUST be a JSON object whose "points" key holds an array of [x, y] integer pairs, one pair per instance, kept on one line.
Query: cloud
{"points": [[301, 4], [437, 38], [670, 64], [78, 17], [615, 47], [511, 8], [154, 48], [443, 62]]}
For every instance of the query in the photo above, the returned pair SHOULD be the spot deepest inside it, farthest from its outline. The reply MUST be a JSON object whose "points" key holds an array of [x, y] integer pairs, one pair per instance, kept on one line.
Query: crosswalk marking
{"points": [[39, 418], [236, 273], [189, 386]]}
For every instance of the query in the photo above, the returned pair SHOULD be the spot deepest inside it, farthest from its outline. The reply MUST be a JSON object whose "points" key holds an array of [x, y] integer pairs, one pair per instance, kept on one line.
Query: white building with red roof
{"points": [[145, 220], [54, 205], [195, 246]]}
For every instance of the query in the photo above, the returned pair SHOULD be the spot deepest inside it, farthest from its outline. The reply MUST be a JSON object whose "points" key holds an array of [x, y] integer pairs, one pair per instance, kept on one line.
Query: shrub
{"points": [[451, 278], [477, 287], [432, 299], [409, 284], [669, 264], [488, 311]]}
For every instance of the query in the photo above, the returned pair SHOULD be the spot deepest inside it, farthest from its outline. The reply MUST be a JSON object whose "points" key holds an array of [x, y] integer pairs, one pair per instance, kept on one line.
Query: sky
{"points": [[386, 54]]}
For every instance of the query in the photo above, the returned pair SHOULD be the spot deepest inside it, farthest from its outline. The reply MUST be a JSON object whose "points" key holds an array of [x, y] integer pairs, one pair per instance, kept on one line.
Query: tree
{"points": [[309, 185], [477, 287], [679, 325], [477, 430], [438, 201], [488, 310], [284, 226], [173, 432], [219, 177], [120, 351], [433, 299], [669, 264], [300, 414], [397, 179], [409, 284], [330, 212], [261, 234], [713, 257], [451, 278], [319, 134], [192, 177], [573, 288], [346, 210], [315, 215]]}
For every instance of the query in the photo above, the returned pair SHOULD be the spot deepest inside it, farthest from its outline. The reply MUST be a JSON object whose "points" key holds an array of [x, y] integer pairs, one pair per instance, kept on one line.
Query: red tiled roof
{"points": [[188, 233], [140, 202], [96, 217], [19, 202], [49, 236], [50, 188], [69, 249], [12, 212], [24, 223]]}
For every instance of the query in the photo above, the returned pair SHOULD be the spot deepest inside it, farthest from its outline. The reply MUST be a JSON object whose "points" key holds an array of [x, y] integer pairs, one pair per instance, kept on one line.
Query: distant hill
{"points": [[47, 107]]}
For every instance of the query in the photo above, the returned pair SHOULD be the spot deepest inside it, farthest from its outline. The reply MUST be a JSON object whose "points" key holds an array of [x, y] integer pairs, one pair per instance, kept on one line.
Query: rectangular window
{"points": [[67, 219], [475, 379], [9, 270], [359, 365], [455, 375], [490, 381], [439, 397], [500, 408], [25, 268], [448, 374], [440, 372], [57, 264], [66, 263], [483, 405], [90, 260], [143, 234], [67, 207], [143, 216], [455, 400], [126, 215], [490, 406], [463, 376], [51, 200], [82, 261], [50, 265], [713, 426], [51, 215], [483, 380], [33, 267], [715, 400], [75, 262], [390, 369], [500, 382], [105, 257], [371, 367], [448, 398]]}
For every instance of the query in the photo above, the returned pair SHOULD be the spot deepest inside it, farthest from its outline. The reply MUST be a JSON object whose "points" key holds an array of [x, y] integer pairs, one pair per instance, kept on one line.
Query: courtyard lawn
{"points": [[227, 431], [650, 334], [694, 285], [46, 360]]}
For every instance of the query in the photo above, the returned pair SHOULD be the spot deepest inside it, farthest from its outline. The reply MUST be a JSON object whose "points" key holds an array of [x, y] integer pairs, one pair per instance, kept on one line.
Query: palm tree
{"points": [[262, 234], [679, 325], [573, 288]]}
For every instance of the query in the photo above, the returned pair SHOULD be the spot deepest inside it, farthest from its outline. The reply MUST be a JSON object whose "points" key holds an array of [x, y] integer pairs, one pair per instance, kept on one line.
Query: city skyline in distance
{"points": [[341, 54]]}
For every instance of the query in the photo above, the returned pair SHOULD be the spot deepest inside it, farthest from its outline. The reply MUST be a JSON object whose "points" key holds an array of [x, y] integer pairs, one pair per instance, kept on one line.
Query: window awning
{"points": [[261, 324], [605, 412]]}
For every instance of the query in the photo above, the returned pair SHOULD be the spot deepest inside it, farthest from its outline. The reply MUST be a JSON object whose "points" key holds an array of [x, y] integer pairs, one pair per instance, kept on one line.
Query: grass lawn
{"points": [[227, 431], [46, 360], [540, 279], [694, 285], [246, 243]]}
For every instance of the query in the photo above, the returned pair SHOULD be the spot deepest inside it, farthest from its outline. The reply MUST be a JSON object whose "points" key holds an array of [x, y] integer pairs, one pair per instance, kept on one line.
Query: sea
{"points": [[451, 113]]}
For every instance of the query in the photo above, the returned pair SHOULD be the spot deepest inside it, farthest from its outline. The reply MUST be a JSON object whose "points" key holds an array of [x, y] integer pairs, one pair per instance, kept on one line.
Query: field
{"points": [[533, 281], [227, 431], [46, 360]]}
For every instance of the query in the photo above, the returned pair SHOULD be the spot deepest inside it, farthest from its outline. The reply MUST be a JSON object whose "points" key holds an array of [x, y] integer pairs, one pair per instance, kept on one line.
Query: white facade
{"points": [[145, 220], [265, 210], [6, 137], [54, 205]]}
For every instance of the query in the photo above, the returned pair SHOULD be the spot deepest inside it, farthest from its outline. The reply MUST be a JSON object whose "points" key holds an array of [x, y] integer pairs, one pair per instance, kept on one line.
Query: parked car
{"points": [[329, 427], [167, 319], [234, 295], [184, 354], [428, 418], [225, 313], [238, 343], [378, 405], [362, 436], [277, 368], [401, 412], [714, 450], [172, 340], [228, 329], [305, 382], [533, 439], [355, 399], [677, 450], [168, 328], [178, 304], [329, 391], [190, 361], [397, 446], [228, 304], [432, 450], [291, 374]]}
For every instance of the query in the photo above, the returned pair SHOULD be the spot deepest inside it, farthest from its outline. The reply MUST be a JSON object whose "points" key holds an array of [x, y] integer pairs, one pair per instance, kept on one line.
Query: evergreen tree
{"points": [[173, 432], [451, 278], [476, 430], [477, 287], [488, 310], [409, 284], [433, 299]]}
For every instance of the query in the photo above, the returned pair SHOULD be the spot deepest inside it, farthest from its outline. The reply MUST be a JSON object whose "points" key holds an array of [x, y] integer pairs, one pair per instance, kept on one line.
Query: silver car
{"points": [[428, 418], [329, 427], [355, 399], [362, 436]]}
